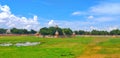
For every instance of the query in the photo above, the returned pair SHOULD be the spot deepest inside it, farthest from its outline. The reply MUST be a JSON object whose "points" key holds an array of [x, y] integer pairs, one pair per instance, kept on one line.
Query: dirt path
{"points": [[92, 53], [92, 49], [100, 56]]}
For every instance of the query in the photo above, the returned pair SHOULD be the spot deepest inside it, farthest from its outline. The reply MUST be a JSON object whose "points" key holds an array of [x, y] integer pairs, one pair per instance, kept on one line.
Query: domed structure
{"points": [[8, 31], [37, 34], [73, 34], [56, 34]]}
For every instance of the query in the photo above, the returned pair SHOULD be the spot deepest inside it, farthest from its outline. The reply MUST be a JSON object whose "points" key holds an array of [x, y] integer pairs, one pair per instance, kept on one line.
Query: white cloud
{"points": [[93, 28], [102, 12], [90, 17], [105, 12], [52, 23], [112, 28], [5, 8], [106, 9], [74, 25], [9, 20], [76, 13], [98, 16], [35, 18], [104, 19]]}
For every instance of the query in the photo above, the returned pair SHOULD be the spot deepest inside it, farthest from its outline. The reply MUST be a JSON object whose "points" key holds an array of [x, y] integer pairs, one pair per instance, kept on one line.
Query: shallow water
{"points": [[6, 44], [27, 44], [20, 44]]}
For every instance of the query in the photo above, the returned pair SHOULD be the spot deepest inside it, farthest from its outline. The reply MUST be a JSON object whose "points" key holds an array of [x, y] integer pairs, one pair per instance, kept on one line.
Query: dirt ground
{"points": [[92, 52], [100, 56]]}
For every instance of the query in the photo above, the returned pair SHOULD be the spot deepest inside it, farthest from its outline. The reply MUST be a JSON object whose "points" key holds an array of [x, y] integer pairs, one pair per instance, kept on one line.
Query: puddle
{"points": [[5, 44], [20, 44], [27, 44]]}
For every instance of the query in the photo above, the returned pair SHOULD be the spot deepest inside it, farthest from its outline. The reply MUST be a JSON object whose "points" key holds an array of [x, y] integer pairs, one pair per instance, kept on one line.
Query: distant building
{"points": [[37, 34], [8, 31], [73, 34], [56, 34]]}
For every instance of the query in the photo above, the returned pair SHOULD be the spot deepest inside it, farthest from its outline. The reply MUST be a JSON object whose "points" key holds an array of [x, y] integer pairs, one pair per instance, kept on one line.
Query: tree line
{"points": [[17, 31], [61, 31], [97, 32], [53, 30]]}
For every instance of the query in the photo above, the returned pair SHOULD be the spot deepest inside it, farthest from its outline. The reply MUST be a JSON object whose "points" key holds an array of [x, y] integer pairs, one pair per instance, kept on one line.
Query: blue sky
{"points": [[74, 14]]}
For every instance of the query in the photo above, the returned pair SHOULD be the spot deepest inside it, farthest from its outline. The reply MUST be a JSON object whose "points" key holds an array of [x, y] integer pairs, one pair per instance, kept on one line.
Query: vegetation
{"points": [[62, 31], [97, 32], [50, 31], [2, 31], [67, 31], [17, 31], [115, 32], [77, 47]]}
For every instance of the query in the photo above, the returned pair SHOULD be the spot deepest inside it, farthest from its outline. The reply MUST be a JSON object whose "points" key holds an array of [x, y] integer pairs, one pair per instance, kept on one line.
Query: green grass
{"points": [[112, 46], [56, 47]]}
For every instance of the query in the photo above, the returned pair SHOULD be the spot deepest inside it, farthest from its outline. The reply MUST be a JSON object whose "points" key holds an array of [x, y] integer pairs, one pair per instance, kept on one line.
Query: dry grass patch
{"points": [[100, 56]]}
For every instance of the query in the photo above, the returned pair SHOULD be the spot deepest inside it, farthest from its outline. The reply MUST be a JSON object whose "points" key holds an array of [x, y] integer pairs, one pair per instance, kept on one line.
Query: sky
{"points": [[75, 14]]}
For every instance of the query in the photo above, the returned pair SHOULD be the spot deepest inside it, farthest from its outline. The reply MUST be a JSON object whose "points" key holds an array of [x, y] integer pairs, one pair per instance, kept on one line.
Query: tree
{"points": [[94, 32], [59, 30], [24, 31], [32, 31], [81, 32], [76, 32], [103, 33], [115, 32], [87, 33], [44, 31], [14, 31], [2, 31], [19, 31], [67, 31], [52, 30]]}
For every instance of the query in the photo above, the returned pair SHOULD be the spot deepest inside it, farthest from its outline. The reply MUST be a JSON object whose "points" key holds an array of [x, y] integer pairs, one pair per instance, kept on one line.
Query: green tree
{"points": [[103, 33], [14, 30], [95, 32], [32, 31], [2, 31], [19, 31], [115, 32], [52, 30], [24, 31], [44, 31], [81, 32], [76, 32], [59, 30], [67, 31]]}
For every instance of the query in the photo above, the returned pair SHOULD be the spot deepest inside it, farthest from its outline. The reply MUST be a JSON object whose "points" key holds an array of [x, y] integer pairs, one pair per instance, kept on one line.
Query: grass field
{"points": [[77, 47]]}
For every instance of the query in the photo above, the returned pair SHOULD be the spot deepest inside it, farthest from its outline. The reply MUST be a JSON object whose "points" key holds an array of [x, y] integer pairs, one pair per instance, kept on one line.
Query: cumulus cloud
{"points": [[5, 8], [112, 28], [102, 12], [74, 25], [93, 28], [9, 20], [106, 9], [52, 23], [105, 12], [77, 13], [104, 19], [90, 17]]}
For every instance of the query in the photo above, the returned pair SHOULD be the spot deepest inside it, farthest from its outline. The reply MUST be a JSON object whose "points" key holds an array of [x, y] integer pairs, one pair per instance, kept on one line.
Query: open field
{"points": [[77, 47]]}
